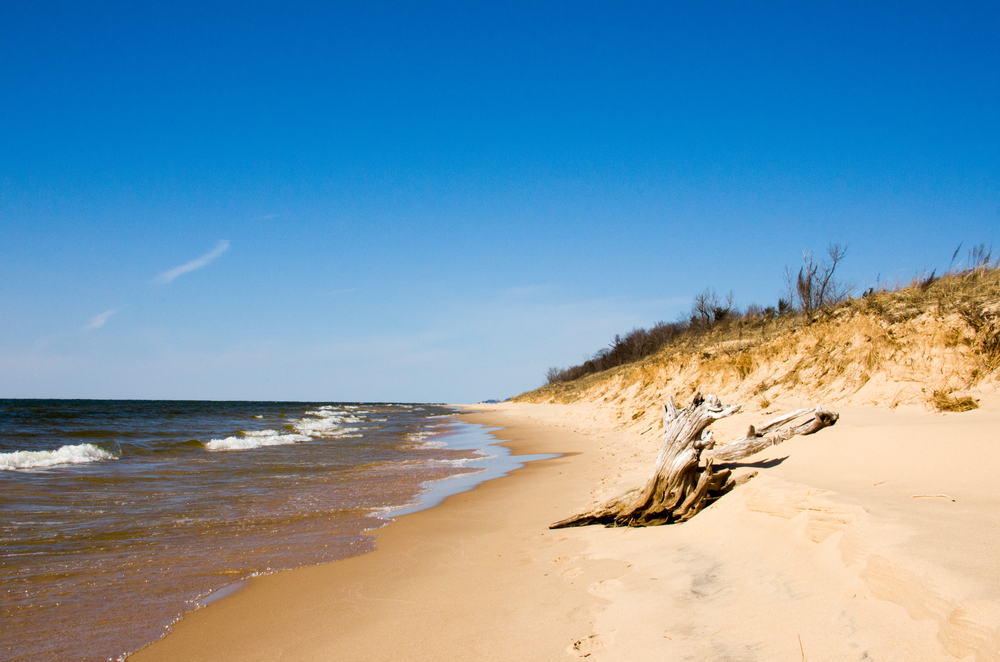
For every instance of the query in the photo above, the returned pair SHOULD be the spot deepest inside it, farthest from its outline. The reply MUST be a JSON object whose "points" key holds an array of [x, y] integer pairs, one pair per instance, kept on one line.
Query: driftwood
{"points": [[681, 483]]}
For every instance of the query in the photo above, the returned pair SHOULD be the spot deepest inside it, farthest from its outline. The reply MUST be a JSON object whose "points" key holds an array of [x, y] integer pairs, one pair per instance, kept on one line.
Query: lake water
{"points": [[116, 517]]}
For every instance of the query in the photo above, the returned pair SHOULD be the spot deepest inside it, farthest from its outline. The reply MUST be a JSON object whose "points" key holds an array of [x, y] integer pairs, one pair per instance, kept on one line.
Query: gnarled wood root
{"points": [[680, 484]]}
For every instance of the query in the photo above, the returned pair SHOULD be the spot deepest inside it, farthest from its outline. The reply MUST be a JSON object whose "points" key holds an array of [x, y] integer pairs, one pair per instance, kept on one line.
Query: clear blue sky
{"points": [[438, 201]]}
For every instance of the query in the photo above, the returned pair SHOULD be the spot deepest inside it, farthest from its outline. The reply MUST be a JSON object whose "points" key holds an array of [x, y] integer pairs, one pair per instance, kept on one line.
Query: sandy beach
{"points": [[872, 540], [500, 332]]}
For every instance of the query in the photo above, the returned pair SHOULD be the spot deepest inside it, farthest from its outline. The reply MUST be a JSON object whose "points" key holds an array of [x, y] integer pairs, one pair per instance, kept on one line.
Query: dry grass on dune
{"points": [[916, 344], [945, 402]]}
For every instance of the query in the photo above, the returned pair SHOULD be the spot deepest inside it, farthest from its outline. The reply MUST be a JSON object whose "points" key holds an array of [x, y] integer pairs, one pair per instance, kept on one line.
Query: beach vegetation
{"points": [[814, 288], [939, 330], [944, 401]]}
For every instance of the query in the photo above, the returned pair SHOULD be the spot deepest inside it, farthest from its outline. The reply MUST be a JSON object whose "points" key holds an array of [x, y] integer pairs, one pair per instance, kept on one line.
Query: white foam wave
{"points": [[336, 432], [346, 413], [324, 412], [316, 426], [466, 460], [433, 444], [419, 436], [254, 439], [328, 425], [79, 454], [260, 433]]}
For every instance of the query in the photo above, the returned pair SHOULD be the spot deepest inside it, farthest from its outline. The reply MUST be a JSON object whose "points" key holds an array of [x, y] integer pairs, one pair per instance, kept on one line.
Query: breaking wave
{"points": [[78, 454], [326, 422], [254, 439]]}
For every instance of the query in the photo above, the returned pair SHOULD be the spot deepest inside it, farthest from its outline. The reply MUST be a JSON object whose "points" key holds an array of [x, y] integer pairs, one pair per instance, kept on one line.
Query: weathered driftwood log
{"points": [[681, 484]]}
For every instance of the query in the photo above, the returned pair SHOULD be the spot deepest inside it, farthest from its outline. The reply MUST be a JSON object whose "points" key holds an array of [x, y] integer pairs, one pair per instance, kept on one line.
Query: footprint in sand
{"points": [[585, 647]]}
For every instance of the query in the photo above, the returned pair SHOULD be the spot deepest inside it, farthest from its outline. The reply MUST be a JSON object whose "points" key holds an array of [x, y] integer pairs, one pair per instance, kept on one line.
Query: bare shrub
{"points": [[707, 309], [815, 288]]}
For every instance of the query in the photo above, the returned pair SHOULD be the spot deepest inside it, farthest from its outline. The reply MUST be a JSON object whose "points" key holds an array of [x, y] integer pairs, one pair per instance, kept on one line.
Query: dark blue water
{"points": [[118, 516]]}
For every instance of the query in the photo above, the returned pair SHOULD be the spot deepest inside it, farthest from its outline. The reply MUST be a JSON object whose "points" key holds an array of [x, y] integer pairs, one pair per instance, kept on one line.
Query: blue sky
{"points": [[438, 201]]}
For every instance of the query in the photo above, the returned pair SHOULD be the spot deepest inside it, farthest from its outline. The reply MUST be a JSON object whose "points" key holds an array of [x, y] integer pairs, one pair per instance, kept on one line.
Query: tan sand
{"points": [[826, 555]]}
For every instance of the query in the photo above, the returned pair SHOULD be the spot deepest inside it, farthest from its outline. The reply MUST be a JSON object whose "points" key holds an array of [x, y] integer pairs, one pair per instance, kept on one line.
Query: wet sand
{"points": [[831, 553], [472, 578]]}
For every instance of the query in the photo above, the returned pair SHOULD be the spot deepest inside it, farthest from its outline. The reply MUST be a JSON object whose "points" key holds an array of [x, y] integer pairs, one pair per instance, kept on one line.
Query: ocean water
{"points": [[116, 517]]}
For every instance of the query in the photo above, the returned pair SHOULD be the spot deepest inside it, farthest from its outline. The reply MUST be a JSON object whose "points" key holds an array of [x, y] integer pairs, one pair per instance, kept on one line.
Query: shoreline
{"points": [[409, 598], [491, 460], [102, 556], [825, 554]]}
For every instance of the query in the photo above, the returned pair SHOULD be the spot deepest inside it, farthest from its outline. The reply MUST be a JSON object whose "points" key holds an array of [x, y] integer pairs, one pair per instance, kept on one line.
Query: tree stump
{"points": [[681, 484]]}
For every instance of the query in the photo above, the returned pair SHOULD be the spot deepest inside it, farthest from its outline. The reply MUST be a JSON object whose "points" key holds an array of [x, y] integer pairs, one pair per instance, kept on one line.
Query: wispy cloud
{"points": [[169, 276], [97, 321]]}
